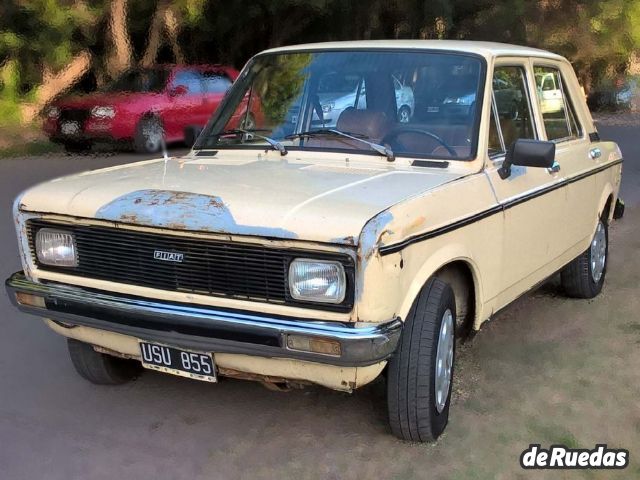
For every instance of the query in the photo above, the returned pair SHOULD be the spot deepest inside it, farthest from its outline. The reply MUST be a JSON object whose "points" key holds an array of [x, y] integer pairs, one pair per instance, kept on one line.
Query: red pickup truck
{"points": [[141, 107]]}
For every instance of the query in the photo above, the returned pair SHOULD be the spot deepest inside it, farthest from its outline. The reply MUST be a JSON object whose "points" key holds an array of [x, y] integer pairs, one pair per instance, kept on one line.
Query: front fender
{"points": [[441, 257]]}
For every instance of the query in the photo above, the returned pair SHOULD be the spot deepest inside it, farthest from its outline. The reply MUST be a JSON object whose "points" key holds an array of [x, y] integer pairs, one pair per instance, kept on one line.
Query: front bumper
{"points": [[203, 328]]}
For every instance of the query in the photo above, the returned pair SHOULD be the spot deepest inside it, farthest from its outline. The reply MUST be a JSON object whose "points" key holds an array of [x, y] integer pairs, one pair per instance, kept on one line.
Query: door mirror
{"points": [[528, 153], [178, 91]]}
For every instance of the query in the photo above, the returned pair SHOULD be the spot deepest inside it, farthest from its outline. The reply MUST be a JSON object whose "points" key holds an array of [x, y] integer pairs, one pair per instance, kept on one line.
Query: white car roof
{"points": [[485, 49]]}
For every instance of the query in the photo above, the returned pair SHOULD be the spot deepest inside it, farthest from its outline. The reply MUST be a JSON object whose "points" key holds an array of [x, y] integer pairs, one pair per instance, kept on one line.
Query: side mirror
{"points": [[528, 153], [178, 91]]}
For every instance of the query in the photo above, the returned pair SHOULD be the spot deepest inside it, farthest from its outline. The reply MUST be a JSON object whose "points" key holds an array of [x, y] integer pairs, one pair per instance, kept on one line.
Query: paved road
{"points": [[54, 425]]}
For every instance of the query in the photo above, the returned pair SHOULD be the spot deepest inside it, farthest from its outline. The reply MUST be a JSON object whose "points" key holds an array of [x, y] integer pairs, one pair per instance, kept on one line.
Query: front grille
{"points": [[209, 267], [74, 115]]}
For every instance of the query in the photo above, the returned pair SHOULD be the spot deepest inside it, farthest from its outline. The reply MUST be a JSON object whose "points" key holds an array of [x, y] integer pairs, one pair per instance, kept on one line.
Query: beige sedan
{"points": [[294, 253]]}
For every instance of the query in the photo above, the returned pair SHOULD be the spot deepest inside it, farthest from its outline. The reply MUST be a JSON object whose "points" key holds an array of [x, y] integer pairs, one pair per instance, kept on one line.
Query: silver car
{"points": [[337, 92]]}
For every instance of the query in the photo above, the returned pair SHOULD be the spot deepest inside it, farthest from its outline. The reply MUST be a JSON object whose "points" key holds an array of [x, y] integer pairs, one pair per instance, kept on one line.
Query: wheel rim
{"points": [[444, 360], [404, 115], [152, 133], [598, 253]]}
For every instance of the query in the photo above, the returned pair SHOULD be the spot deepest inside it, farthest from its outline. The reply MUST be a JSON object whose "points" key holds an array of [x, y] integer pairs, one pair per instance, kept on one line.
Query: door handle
{"points": [[555, 168]]}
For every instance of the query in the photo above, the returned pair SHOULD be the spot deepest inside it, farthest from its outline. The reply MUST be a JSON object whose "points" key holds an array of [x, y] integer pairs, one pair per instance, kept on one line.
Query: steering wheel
{"points": [[393, 134]]}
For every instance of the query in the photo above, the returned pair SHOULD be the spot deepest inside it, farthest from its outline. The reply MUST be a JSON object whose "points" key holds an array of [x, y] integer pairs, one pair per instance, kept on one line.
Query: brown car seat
{"points": [[371, 124]]}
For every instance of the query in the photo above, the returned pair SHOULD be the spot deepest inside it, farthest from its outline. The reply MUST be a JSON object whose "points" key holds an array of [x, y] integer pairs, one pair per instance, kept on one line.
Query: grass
{"points": [[34, 147], [24, 141]]}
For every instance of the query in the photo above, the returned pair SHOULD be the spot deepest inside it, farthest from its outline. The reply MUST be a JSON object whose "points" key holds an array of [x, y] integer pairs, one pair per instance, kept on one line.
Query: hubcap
{"points": [[152, 132], [598, 253], [444, 360]]}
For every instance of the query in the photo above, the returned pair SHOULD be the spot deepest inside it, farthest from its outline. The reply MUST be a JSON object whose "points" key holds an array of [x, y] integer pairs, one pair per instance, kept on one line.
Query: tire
{"points": [[99, 368], [149, 136], [584, 276], [77, 147], [248, 122], [416, 413], [404, 114]]}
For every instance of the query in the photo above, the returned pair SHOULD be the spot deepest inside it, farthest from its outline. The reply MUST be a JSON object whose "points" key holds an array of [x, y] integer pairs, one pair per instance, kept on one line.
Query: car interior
{"points": [[445, 133]]}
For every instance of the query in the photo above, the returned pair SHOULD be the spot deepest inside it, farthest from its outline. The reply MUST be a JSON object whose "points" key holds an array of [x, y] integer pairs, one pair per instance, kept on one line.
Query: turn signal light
{"points": [[30, 300], [324, 346]]}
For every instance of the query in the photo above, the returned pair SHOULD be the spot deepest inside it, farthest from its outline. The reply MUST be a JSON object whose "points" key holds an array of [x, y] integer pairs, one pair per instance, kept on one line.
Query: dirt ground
{"points": [[546, 370]]}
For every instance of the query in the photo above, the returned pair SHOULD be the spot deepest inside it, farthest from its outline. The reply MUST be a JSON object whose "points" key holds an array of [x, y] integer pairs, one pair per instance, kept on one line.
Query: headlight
{"points": [[56, 247], [103, 112], [317, 281], [53, 112], [327, 107]]}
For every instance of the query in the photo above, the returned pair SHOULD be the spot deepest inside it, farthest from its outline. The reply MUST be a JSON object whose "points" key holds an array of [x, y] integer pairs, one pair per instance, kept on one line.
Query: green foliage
{"points": [[278, 84], [41, 36]]}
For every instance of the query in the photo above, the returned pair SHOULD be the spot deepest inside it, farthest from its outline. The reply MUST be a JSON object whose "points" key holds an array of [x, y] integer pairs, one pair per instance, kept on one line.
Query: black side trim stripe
{"points": [[396, 247]]}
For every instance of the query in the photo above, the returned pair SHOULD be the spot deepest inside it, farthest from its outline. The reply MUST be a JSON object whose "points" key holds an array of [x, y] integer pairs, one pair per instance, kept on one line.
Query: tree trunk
{"points": [[154, 38], [55, 84], [173, 27], [122, 54]]}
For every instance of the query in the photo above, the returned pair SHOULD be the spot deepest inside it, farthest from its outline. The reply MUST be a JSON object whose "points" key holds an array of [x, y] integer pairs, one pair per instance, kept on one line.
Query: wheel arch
{"points": [[606, 204], [461, 272]]}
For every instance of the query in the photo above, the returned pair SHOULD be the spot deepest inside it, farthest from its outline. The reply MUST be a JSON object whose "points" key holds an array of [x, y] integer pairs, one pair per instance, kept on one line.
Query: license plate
{"points": [[70, 128], [186, 363]]}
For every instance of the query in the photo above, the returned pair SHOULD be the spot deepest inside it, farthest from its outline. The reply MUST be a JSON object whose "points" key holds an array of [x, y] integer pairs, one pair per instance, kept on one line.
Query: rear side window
{"points": [[560, 120], [216, 82]]}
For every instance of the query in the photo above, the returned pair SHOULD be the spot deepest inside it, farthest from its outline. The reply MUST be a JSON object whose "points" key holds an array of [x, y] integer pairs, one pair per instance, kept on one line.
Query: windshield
{"points": [[417, 104], [145, 80]]}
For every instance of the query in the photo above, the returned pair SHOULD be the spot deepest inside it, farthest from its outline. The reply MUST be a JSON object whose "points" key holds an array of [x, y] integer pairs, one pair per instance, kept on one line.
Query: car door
{"points": [[533, 205], [574, 153], [186, 106]]}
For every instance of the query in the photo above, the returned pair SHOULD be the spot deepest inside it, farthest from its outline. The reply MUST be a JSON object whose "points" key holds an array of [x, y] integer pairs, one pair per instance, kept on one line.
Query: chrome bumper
{"points": [[203, 328]]}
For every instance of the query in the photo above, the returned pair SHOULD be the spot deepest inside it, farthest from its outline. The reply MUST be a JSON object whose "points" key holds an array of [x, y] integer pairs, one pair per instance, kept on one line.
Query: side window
{"points": [[190, 79], [216, 82], [511, 103], [560, 121]]}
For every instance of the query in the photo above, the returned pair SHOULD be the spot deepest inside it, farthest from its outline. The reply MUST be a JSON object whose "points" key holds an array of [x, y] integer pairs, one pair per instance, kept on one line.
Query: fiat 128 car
{"points": [[294, 253]]}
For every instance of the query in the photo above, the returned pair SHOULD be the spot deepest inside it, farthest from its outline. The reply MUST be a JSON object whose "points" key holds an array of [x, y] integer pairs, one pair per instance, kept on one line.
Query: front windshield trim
{"points": [[239, 87]]}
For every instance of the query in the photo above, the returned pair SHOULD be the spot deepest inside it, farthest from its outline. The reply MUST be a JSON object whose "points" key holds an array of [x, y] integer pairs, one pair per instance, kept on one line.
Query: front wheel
{"points": [[100, 368], [149, 136], [584, 276], [420, 373]]}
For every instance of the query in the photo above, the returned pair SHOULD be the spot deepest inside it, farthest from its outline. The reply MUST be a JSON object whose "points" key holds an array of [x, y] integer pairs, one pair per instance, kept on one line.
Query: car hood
{"points": [[247, 194]]}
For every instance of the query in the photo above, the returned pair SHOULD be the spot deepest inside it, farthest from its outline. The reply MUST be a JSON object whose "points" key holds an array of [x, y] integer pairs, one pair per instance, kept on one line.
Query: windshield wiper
{"points": [[381, 149], [274, 143]]}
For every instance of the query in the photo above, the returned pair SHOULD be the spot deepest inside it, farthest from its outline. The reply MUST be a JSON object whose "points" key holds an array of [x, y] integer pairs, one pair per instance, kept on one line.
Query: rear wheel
{"points": [[149, 136], [421, 371], [100, 368], [584, 276], [248, 122], [404, 114]]}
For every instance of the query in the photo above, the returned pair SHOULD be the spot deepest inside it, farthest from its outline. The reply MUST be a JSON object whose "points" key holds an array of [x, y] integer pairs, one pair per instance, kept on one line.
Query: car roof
{"points": [[485, 49]]}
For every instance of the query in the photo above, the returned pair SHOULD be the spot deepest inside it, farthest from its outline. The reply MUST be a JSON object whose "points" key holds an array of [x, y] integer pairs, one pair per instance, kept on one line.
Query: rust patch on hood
{"points": [[181, 211]]}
